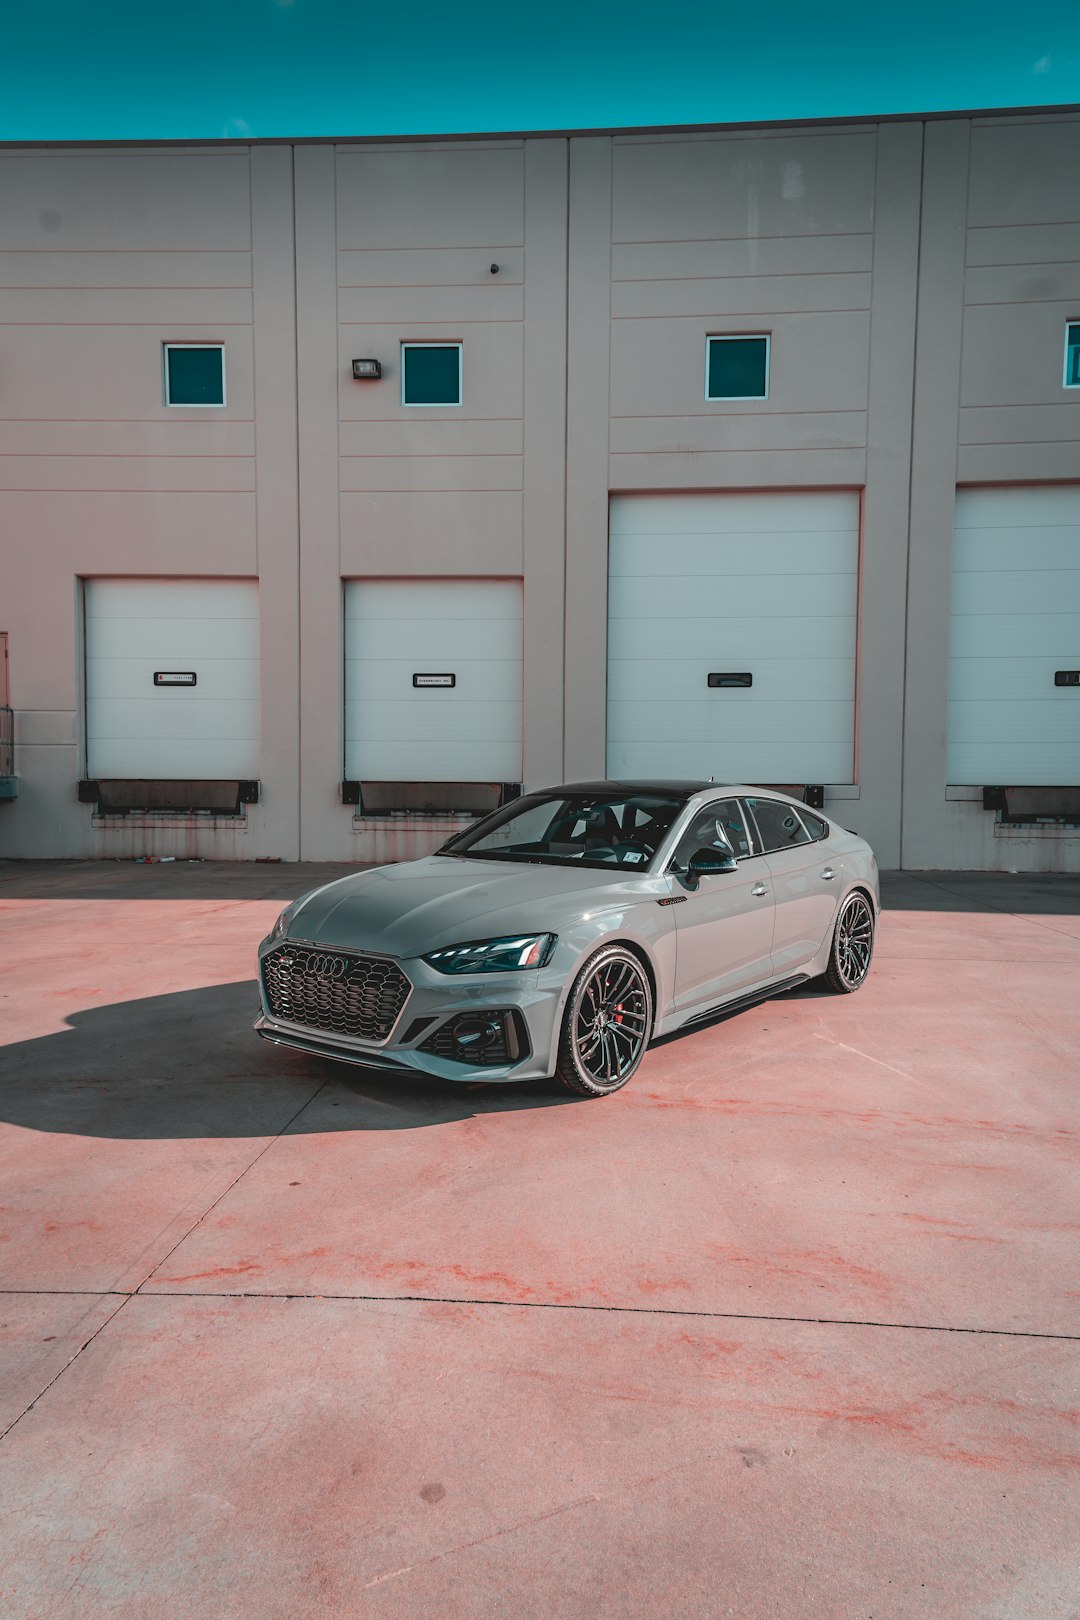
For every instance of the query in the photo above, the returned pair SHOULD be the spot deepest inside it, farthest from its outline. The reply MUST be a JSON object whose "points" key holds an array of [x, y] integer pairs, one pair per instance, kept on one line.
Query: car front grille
{"points": [[334, 991]]}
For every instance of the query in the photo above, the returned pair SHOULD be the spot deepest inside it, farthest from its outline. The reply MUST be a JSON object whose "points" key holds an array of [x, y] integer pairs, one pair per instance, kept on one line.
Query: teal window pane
{"points": [[1072, 357], [196, 376], [738, 368], [432, 376]]}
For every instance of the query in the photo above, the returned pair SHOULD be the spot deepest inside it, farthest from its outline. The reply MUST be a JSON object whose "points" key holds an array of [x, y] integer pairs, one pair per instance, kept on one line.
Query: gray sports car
{"points": [[561, 934]]}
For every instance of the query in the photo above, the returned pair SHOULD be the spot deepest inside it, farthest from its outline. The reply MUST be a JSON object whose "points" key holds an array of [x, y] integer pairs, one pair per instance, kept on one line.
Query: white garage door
{"points": [[433, 680], [1015, 624], [138, 726], [733, 587]]}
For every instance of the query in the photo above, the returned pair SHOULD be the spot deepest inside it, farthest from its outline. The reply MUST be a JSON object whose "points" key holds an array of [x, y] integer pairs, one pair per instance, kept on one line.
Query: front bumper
{"points": [[434, 1000]]}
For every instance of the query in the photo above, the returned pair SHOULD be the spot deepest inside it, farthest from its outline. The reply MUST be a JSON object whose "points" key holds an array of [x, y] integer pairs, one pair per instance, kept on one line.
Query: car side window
{"points": [[817, 828], [720, 825], [779, 825]]}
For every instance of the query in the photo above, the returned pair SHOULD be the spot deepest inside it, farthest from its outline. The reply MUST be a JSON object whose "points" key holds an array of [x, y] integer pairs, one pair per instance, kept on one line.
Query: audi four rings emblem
{"points": [[325, 967]]}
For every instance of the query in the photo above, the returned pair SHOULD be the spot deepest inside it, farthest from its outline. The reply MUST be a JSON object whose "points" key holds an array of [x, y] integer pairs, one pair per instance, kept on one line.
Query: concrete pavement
{"points": [[788, 1328]]}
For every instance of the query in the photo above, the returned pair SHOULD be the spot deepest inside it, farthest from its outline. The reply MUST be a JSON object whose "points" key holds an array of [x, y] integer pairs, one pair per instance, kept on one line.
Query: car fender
{"points": [[651, 938], [853, 883]]}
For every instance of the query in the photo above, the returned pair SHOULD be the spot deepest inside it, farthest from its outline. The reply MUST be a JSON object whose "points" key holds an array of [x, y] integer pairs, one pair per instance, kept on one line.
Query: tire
{"points": [[607, 1023], [852, 946]]}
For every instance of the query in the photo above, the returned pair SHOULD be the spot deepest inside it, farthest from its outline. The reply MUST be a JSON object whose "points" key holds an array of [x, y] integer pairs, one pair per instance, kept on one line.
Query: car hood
{"points": [[418, 906]]}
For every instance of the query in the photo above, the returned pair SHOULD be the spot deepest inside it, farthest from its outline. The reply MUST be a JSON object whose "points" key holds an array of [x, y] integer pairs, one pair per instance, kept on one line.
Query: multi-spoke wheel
{"points": [[607, 1023], [853, 945]]}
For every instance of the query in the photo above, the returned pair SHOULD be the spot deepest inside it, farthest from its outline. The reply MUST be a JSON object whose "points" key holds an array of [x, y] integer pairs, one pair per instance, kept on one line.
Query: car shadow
{"points": [[189, 1064]]}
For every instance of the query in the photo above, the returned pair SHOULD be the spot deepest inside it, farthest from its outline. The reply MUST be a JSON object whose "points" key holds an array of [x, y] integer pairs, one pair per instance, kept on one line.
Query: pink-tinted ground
{"points": [[787, 1330]]}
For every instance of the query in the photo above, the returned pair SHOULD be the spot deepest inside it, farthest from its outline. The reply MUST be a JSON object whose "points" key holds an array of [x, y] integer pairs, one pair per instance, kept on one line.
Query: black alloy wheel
{"points": [[607, 1023], [853, 945]]}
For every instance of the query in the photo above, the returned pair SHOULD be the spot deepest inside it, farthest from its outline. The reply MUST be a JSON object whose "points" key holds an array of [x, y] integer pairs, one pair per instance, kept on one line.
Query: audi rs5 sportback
{"points": [[562, 933]]}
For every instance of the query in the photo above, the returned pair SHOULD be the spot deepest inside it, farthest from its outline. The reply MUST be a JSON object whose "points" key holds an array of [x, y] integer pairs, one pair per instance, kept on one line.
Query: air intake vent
{"points": [[483, 1040]]}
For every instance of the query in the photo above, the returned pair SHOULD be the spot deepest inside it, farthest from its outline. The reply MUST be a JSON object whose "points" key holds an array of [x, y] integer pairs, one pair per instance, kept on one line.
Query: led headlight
{"points": [[494, 955], [282, 923]]}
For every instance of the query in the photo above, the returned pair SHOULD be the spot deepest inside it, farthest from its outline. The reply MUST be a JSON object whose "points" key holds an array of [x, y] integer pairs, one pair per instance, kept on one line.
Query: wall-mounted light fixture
{"points": [[366, 370]]}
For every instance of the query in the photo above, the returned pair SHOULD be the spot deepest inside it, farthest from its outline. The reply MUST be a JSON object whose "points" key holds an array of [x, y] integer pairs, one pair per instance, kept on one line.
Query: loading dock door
{"points": [[433, 680], [145, 715], [1014, 632], [731, 636]]}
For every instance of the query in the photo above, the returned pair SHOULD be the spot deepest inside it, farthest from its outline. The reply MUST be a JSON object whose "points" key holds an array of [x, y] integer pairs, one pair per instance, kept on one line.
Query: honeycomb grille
{"points": [[493, 1054], [360, 996], [504, 1041]]}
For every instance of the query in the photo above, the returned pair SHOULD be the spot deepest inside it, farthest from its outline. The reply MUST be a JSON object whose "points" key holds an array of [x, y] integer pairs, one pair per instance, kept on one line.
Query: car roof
{"points": [[676, 789]]}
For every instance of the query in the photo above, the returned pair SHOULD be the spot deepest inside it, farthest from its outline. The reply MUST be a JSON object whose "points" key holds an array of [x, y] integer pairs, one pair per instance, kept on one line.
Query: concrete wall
{"points": [[397, 243], [914, 276], [672, 238], [999, 276], [106, 256]]}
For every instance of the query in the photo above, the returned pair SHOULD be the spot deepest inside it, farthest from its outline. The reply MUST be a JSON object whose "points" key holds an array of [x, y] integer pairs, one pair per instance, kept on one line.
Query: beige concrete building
{"points": [[740, 452]]}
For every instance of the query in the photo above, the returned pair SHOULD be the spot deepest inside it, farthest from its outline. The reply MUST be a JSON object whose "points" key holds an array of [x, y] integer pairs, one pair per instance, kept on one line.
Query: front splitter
{"points": [[311, 1043], [434, 1069]]}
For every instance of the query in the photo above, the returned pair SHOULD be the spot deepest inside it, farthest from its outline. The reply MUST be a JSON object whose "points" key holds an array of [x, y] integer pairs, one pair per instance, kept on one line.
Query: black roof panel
{"points": [[677, 789]]}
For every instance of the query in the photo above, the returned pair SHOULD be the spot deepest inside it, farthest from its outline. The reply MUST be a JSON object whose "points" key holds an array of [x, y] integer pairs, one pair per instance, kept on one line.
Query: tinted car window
{"points": [[618, 829], [719, 826], [778, 824], [814, 825]]}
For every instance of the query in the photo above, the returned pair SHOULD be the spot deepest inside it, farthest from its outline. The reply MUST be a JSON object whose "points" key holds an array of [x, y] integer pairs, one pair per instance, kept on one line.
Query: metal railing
{"points": [[7, 741]]}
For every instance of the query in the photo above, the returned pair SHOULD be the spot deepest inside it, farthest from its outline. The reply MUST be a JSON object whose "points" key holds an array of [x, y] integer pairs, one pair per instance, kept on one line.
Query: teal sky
{"points": [[151, 69]]}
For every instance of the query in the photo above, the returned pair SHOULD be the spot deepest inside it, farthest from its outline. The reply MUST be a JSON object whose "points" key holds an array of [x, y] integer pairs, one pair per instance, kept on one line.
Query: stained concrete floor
{"points": [[787, 1330]]}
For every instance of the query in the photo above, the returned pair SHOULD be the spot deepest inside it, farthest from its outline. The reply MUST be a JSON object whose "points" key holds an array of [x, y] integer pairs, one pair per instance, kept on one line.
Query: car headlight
{"points": [[282, 923], [509, 955]]}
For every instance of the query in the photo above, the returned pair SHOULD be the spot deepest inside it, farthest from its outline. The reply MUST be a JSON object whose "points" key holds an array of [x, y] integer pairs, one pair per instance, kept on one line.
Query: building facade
{"points": [[348, 487]]}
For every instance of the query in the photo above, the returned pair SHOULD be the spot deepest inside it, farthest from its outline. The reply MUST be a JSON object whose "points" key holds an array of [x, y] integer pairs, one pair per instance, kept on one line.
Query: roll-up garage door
{"points": [[731, 636], [1014, 638], [172, 678], [433, 680]]}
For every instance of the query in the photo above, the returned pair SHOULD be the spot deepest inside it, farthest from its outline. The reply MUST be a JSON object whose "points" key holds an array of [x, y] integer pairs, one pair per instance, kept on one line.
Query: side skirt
{"points": [[750, 999]]}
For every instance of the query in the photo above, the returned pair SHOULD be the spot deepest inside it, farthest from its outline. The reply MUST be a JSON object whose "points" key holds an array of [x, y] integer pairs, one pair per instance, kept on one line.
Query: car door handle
{"points": [[759, 889], [828, 874]]}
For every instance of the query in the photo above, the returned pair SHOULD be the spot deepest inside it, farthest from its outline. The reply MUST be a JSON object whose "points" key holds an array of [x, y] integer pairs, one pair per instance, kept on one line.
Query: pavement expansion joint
{"points": [[142, 1292], [270, 1142], [127, 1294], [29, 1407]]}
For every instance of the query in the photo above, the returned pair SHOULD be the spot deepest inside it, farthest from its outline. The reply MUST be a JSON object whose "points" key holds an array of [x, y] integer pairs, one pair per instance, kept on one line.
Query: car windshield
{"points": [[588, 829]]}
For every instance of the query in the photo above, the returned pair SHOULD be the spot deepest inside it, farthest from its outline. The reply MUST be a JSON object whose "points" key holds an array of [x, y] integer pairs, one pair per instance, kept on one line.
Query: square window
{"points": [[737, 367], [194, 374], [1072, 355], [431, 373]]}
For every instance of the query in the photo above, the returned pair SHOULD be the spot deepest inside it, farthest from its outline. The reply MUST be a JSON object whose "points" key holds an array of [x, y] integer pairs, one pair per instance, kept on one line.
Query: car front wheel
{"points": [[606, 1025], [852, 946]]}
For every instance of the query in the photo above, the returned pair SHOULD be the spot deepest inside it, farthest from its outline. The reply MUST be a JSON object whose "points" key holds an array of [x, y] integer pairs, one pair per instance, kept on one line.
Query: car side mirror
{"points": [[711, 860], [706, 862]]}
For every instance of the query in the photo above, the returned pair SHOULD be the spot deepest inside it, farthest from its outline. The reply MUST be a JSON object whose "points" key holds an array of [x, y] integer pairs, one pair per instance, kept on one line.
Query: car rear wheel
{"points": [[606, 1025], [852, 946]]}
